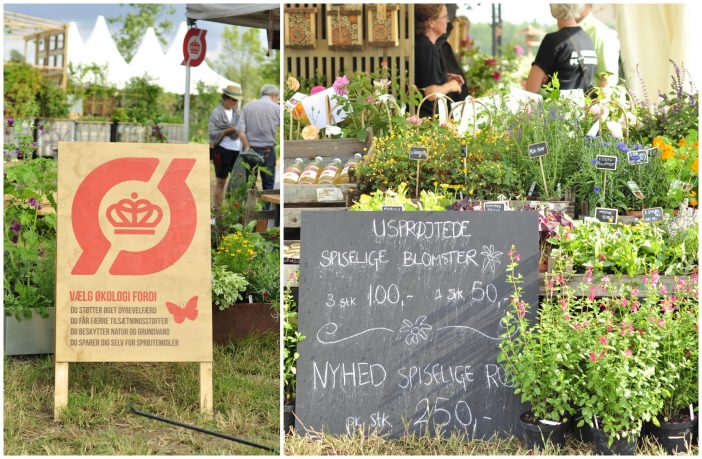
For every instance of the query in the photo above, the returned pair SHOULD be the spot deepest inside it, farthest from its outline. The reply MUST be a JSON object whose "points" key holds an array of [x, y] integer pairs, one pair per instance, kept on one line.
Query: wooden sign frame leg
{"points": [[206, 398], [60, 388]]}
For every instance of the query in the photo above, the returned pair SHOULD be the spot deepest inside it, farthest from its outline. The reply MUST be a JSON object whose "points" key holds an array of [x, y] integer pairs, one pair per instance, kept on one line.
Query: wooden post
{"points": [[543, 175], [206, 398], [60, 388], [604, 188], [416, 194]]}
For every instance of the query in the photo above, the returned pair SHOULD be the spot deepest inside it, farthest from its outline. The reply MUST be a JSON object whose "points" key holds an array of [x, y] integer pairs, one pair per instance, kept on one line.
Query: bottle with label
{"points": [[330, 172], [293, 171], [350, 164], [311, 173]]}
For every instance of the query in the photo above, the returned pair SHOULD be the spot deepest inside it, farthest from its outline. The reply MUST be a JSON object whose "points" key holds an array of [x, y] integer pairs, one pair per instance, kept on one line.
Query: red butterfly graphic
{"points": [[179, 314]]}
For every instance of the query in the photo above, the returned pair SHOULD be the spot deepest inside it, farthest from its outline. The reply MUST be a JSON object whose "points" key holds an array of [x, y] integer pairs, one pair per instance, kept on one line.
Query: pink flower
{"points": [[316, 89], [588, 275], [663, 290], [680, 283], [369, 99], [593, 357], [549, 284], [625, 302], [591, 295], [667, 305], [603, 341], [414, 119], [490, 62], [340, 85], [384, 64], [605, 279], [566, 317], [518, 50], [635, 291], [655, 277], [578, 327], [521, 309], [517, 257], [564, 304], [661, 322], [496, 76], [602, 257], [628, 353], [635, 306], [609, 329]]}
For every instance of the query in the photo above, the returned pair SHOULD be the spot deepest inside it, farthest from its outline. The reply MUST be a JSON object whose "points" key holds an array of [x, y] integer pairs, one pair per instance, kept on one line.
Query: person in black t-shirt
{"points": [[452, 65], [430, 71], [569, 51]]}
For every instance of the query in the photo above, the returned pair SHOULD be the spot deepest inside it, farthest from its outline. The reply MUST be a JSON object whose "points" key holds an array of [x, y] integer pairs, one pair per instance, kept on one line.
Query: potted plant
{"points": [[539, 364], [616, 386], [29, 252], [290, 355], [678, 365], [255, 257]]}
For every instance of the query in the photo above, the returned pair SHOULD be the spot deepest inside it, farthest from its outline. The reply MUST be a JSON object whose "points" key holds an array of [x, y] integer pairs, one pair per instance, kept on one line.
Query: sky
{"points": [[85, 15]]}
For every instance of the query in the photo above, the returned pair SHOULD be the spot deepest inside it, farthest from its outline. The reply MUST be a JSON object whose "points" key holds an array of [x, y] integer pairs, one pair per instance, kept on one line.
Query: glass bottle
{"points": [[351, 163], [330, 172], [311, 173], [293, 171]]}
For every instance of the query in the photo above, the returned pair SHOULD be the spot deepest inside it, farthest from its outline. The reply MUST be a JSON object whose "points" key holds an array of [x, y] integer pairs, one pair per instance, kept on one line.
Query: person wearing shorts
{"points": [[224, 138]]}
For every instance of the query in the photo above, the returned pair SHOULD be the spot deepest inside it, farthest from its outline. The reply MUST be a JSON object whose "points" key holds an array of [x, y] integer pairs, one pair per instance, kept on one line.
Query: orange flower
{"points": [[682, 142], [667, 152], [693, 203], [658, 143], [695, 166]]}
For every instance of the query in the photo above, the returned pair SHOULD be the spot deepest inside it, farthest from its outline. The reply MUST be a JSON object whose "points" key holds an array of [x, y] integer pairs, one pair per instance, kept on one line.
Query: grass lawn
{"points": [[98, 419], [454, 445]]}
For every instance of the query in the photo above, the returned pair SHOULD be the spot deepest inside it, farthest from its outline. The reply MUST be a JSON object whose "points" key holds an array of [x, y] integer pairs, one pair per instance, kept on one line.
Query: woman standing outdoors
{"points": [[430, 71]]}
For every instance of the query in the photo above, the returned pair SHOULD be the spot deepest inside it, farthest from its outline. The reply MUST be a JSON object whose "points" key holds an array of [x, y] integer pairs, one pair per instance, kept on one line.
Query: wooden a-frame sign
{"points": [[133, 258]]}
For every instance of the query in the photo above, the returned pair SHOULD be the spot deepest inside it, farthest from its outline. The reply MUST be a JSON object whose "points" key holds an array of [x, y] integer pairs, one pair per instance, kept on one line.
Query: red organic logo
{"points": [[94, 244]]}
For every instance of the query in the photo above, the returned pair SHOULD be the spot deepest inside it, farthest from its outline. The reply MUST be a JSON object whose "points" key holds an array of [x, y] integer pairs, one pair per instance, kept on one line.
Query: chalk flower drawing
{"points": [[415, 330], [492, 258]]}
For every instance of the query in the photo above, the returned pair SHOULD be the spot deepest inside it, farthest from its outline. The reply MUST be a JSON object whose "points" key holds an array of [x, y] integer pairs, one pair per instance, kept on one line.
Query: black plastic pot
{"points": [[288, 418], [624, 446], [675, 437], [537, 435], [582, 433]]}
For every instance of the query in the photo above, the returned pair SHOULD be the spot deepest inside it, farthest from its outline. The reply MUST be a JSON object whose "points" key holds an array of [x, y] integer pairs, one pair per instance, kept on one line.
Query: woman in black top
{"points": [[430, 71], [569, 51]]}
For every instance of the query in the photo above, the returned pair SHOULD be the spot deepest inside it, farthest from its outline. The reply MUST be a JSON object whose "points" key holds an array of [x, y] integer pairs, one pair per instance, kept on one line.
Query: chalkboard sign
{"points": [[606, 215], [538, 149], [391, 208], [418, 153], [495, 205], [653, 214], [637, 156], [402, 321], [464, 151], [606, 162]]}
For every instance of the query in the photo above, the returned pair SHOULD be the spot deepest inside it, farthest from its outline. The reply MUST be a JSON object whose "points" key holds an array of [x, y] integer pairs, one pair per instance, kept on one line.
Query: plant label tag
{"points": [[637, 156], [492, 206], [605, 162], [606, 215], [418, 153], [549, 422], [531, 189], [329, 194], [537, 149], [692, 413], [294, 100], [384, 208], [635, 190], [464, 151], [653, 151], [653, 214]]}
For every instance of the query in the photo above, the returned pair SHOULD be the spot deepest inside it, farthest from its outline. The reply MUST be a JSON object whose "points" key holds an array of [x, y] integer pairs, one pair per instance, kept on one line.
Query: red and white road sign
{"points": [[194, 47]]}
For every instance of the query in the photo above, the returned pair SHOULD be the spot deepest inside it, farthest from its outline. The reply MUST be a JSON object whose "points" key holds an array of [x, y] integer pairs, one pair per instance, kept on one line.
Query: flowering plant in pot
{"points": [[551, 224], [617, 386], [539, 361], [681, 166], [678, 362]]}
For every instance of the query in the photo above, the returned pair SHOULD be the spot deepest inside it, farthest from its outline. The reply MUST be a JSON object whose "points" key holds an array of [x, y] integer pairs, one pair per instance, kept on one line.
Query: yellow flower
{"points": [[682, 142], [658, 143], [292, 83], [667, 152], [695, 166]]}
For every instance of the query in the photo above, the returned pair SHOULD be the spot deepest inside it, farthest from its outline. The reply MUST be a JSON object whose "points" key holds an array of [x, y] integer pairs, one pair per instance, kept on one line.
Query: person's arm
{"points": [[537, 77], [241, 127], [244, 141], [455, 76], [449, 86]]}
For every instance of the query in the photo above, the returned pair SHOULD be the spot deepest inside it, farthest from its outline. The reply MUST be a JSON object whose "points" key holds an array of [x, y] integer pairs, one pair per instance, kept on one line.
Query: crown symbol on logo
{"points": [[134, 216]]}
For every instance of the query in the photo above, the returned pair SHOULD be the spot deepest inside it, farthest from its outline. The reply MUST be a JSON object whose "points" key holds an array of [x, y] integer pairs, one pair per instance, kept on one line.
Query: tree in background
{"points": [[140, 101], [134, 26], [201, 105], [243, 60], [25, 89]]}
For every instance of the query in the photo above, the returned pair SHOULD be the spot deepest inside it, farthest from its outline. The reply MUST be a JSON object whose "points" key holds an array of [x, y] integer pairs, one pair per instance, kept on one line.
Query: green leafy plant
{"points": [[428, 200], [226, 287], [487, 75], [681, 166], [29, 237], [290, 339], [538, 359], [256, 257]]}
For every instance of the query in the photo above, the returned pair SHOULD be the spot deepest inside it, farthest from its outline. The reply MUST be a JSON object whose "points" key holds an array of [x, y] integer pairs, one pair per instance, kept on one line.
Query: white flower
{"points": [[415, 330]]}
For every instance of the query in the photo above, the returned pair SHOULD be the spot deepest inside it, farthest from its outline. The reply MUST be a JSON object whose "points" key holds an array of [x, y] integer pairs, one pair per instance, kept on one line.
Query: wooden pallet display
{"points": [[319, 197]]}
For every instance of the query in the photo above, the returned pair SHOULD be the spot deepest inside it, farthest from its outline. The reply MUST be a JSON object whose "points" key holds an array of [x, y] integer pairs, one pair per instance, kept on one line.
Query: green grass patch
{"points": [[453, 445], [98, 420]]}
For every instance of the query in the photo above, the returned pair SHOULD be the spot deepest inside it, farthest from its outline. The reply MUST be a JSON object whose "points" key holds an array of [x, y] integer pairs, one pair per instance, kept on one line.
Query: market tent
{"points": [[149, 59], [650, 34], [76, 50], [101, 49]]}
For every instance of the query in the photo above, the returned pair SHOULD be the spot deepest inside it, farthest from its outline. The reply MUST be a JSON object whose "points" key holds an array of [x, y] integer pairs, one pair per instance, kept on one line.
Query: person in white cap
{"points": [[225, 144]]}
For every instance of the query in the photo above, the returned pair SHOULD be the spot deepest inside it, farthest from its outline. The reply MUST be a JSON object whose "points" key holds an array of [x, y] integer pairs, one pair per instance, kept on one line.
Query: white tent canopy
{"points": [[245, 15], [101, 49]]}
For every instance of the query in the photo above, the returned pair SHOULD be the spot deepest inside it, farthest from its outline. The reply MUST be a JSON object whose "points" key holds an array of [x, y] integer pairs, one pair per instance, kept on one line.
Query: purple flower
{"points": [[15, 227], [622, 146], [637, 146], [32, 202], [340, 85], [596, 189], [19, 153], [41, 128], [10, 121], [594, 161], [605, 144]]}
